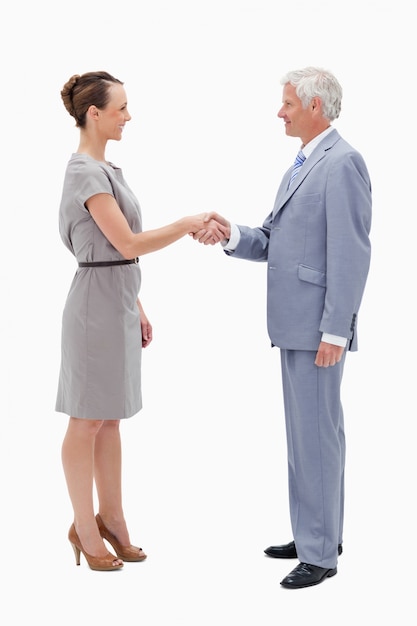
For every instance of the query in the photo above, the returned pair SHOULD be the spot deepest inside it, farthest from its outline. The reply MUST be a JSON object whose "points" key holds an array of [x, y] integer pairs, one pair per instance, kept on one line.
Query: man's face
{"points": [[298, 121]]}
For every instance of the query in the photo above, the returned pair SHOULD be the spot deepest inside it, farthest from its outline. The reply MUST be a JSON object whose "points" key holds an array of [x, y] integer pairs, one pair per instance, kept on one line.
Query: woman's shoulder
{"points": [[86, 176], [81, 161], [83, 165]]}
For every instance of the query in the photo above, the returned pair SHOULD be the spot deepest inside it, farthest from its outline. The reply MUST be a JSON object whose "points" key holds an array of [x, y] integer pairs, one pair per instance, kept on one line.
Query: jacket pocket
{"points": [[311, 275], [306, 198]]}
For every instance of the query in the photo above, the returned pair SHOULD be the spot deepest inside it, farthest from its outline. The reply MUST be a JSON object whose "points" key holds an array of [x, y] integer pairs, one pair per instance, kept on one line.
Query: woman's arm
{"points": [[109, 218]]}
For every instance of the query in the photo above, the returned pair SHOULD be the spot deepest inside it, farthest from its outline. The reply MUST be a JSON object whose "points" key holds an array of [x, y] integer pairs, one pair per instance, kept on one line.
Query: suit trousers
{"points": [[316, 455]]}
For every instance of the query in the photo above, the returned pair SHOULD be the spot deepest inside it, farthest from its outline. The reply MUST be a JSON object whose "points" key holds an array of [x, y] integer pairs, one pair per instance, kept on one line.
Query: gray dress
{"points": [[100, 374]]}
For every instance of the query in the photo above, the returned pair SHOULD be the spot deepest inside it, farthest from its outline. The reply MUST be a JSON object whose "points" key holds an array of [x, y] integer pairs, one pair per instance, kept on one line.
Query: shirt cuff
{"points": [[231, 244], [334, 339]]}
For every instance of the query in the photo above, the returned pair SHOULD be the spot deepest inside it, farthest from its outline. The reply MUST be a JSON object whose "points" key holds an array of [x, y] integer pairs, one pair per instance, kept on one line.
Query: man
{"points": [[317, 249]]}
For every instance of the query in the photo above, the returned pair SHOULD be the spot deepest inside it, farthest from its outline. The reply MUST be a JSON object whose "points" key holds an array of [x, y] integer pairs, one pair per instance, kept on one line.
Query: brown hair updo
{"points": [[80, 92]]}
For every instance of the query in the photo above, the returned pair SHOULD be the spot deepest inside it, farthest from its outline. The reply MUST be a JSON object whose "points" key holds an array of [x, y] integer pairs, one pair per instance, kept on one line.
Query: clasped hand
{"points": [[217, 228]]}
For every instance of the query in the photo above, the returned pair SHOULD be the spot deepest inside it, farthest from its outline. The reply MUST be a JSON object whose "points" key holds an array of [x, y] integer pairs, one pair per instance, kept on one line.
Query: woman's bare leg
{"points": [[78, 463], [108, 477]]}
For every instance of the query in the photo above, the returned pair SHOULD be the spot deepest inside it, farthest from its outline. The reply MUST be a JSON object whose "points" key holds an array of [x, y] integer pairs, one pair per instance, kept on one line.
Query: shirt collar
{"points": [[309, 147]]}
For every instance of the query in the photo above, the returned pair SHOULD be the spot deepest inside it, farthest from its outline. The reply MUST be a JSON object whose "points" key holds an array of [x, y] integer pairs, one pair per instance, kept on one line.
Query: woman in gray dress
{"points": [[104, 325]]}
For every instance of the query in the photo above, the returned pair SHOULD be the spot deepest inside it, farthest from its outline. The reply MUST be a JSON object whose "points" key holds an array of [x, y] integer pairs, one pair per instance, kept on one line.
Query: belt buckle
{"points": [[137, 260]]}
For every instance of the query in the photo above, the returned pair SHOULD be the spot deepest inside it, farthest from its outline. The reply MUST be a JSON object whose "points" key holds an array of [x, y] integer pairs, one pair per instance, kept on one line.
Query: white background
{"points": [[205, 483]]}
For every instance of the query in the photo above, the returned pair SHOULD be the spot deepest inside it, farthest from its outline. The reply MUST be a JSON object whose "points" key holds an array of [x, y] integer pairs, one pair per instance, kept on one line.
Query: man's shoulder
{"points": [[337, 145]]}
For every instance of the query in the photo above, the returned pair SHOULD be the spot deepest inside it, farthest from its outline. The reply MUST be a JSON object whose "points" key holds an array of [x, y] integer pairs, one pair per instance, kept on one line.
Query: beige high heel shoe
{"points": [[99, 563], [127, 553]]}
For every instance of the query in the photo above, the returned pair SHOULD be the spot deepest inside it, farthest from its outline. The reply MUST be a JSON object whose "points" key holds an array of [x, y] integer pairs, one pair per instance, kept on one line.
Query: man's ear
{"points": [[315, 104]]}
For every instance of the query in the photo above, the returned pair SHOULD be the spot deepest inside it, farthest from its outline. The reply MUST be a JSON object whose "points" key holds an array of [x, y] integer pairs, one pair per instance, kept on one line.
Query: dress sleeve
{"points": [[91, 179]]}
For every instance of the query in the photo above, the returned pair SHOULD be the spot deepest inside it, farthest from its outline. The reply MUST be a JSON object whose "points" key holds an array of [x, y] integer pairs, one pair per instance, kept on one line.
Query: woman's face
{"points": [[113, 118]]}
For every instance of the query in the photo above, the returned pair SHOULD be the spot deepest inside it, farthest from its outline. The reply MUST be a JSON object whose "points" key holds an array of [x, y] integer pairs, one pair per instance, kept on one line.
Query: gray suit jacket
{"points": [[316, 244]]}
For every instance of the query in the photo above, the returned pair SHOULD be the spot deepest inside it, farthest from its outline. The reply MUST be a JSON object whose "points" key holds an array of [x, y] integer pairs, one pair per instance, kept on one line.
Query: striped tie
{"points": [[299, 160]]}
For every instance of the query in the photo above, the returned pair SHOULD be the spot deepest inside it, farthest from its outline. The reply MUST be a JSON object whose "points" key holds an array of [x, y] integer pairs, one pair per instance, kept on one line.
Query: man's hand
{"points": [[215, 224], [328, 354]]}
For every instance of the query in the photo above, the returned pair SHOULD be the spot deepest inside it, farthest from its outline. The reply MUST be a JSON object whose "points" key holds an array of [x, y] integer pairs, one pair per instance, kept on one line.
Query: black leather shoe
{"points": [[306, 575], [289, 551]]}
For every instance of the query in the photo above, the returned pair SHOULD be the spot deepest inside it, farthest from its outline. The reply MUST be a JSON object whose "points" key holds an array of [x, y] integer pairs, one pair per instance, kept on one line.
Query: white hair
{"points": [[313, 82]]}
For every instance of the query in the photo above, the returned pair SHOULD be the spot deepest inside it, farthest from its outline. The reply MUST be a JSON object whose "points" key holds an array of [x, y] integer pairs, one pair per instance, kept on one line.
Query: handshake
{"points": [[209, 228]]}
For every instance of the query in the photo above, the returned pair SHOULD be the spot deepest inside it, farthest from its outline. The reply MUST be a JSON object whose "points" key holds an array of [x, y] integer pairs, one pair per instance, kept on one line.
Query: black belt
{"points": [[109, 263]]}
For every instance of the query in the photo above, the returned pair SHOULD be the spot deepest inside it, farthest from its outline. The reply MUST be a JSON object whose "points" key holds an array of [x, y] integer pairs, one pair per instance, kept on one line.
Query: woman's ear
{"points": [[93, 111]]}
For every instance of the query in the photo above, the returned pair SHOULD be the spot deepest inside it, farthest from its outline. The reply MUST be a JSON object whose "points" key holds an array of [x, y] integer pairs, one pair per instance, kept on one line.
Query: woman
{"points": [[104, 325]]}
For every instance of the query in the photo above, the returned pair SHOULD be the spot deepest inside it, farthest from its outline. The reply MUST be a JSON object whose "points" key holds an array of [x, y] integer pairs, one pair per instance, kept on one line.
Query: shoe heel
{"points": [[77, 553], [99, 563]]}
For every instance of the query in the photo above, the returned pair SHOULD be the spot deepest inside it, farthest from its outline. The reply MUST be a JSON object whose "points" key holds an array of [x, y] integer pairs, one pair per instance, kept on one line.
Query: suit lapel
{"points": [[284, 194]]}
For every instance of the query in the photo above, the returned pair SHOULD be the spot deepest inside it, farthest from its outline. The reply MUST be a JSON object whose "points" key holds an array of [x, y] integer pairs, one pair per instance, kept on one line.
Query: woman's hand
{"points": [[145, 325], [215, 228]]}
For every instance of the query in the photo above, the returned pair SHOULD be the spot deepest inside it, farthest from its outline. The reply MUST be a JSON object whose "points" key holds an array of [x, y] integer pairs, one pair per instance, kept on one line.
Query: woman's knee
{"points": [[87, 426], [111, 424]]}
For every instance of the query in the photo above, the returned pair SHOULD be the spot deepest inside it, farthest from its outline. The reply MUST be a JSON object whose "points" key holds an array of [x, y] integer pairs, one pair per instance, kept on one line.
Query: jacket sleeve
{"points": [[348, 219], [253, 243]]}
